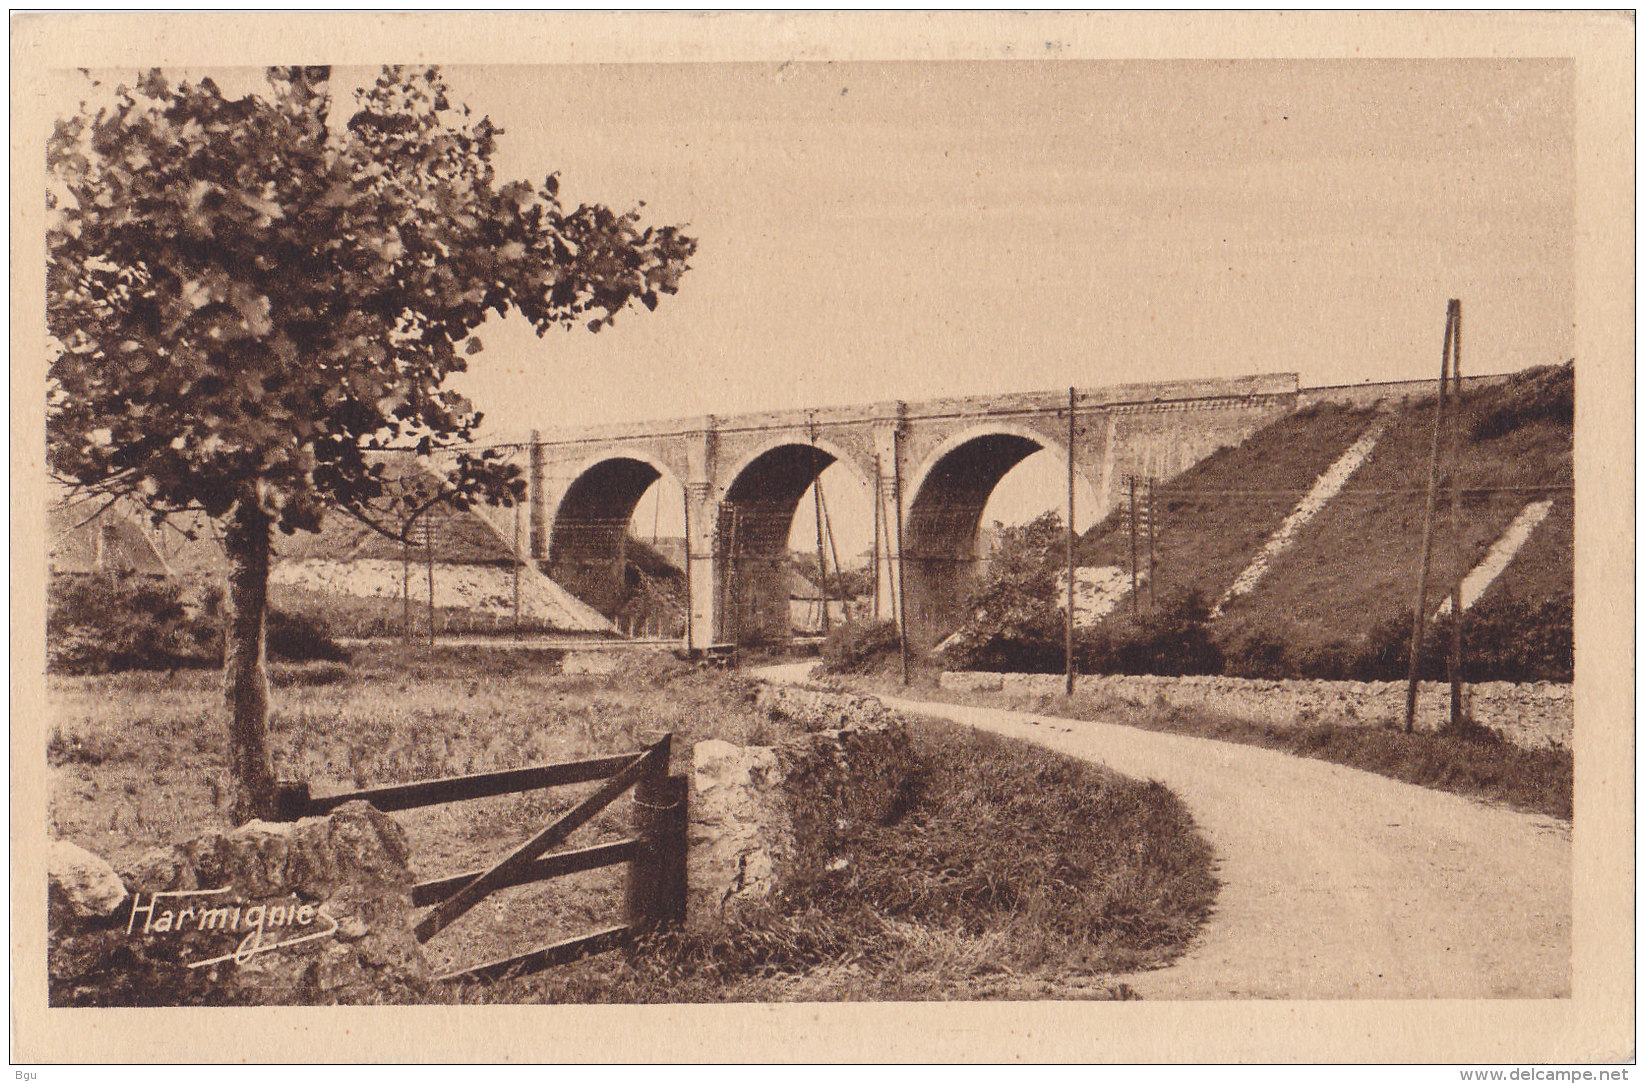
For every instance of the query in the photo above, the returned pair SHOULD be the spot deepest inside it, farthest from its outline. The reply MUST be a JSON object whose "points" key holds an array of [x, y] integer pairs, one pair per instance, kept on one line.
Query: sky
{"points": [[874, 231]]}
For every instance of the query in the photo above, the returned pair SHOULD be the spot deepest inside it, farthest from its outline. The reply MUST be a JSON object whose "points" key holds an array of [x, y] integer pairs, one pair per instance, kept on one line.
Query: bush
{"points": [[1261, 654], [100, 624], [302, 638], [1332, 661], [1547, 392], [857, 648], [1503, 639], [1172, 639], [97, 624], [1016, 623]]}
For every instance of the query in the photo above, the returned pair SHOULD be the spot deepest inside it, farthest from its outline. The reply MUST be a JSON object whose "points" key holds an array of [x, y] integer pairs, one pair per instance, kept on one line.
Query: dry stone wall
{"points": [[763, 816], [1533, 715]]}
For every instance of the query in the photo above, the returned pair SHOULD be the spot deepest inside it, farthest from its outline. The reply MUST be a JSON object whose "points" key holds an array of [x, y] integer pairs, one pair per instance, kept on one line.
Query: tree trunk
{"points": [[245, 677]]}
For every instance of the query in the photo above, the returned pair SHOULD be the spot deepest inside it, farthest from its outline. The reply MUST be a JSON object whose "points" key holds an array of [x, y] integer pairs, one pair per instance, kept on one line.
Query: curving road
{"points": [[1336, 883]]}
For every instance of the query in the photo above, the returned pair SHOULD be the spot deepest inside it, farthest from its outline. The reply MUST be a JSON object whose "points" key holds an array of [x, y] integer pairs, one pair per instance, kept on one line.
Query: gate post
{"points": [[656, 890]]}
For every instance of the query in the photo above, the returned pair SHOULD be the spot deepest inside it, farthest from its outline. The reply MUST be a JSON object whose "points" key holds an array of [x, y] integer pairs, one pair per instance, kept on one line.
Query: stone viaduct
{"points": [[931, 465]]}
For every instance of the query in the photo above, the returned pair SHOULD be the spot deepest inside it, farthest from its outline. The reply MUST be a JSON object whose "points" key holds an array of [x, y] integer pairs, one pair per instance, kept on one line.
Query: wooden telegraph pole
{"points": [[428, 540], [879, 516], [1455, 663], [822, 561], [1419, 615], [685, 494], [405, 591], [817, 512], [1153, 526], [902, 557], [518, 561], [1133, 511], [1068, 625]]}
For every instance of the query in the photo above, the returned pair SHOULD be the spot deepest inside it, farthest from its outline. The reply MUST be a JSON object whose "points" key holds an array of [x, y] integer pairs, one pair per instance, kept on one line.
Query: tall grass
{"points": [[1012, 872]]}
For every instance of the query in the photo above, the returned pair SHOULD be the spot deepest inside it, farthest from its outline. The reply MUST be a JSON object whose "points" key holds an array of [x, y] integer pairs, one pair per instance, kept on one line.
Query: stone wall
{"points": [[315, 912], [764, 816], [1530, 715]]}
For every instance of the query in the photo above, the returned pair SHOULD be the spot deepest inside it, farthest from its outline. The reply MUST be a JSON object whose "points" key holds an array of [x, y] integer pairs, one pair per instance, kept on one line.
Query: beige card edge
{"points": [[1595, 1024]]}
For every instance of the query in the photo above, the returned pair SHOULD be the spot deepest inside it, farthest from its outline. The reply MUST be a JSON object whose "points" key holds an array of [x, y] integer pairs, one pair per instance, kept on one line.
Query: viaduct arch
{"points": [[930, 466]]}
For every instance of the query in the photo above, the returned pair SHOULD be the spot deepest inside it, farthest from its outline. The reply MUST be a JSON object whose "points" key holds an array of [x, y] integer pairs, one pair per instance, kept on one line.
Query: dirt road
{"points": [[1336, 883]]}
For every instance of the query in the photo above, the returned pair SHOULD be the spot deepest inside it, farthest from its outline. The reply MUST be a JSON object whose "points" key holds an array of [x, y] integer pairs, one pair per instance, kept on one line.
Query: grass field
{"points": [[1012, 873], [138, 760]]}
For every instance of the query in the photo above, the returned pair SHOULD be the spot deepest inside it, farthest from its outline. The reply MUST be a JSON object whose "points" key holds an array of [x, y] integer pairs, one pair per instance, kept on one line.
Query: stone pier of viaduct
{"points": [[932, 465]]}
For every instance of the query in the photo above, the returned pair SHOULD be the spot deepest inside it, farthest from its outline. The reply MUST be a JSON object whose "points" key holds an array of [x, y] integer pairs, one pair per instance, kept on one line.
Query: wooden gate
{"points": [[656, 854]]}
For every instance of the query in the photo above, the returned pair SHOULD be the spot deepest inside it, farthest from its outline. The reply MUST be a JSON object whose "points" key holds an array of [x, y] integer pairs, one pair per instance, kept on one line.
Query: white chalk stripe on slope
{"points": [[1098, 591], [1326, 486], [1499, 556]]}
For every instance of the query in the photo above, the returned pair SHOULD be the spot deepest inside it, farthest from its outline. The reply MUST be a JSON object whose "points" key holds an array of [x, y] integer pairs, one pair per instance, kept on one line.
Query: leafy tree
{"points": [[247, 303], [1016, 621]]}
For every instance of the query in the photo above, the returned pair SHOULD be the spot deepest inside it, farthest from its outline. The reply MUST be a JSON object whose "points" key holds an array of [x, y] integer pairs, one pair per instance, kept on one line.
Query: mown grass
{"points": [[1012, 872], [1474, 762]]}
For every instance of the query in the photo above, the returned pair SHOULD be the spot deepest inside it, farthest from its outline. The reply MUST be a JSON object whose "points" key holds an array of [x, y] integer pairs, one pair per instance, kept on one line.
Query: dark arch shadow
{"points": [[756, 517], [588, 548], [940, 539]]}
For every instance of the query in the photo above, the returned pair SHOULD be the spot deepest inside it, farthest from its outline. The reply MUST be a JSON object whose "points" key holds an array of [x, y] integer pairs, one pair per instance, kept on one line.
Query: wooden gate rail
{"points": [[545, 868], [505, 872], [561, 952], [656, 856], [296, 803]]}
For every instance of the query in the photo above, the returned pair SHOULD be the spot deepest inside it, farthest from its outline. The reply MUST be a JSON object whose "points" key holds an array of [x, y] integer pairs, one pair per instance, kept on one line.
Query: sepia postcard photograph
{"points": [[823, 537]]}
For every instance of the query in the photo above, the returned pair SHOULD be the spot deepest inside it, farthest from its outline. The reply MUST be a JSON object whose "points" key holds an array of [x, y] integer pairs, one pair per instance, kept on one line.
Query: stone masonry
{"points": [[315, 912], [1529, 715], [763, 816]]}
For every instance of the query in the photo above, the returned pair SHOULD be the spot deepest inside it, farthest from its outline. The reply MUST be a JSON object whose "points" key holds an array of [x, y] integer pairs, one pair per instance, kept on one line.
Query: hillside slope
{"points": [[1356, 561]]}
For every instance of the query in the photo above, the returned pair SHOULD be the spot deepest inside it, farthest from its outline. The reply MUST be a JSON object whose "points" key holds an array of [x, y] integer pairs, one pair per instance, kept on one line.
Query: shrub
{"points": [[100, 624], [857, 648], [1015, 621], [96, 624], [1547, 392], [1171, 639], [302, 638], [1331, 661], [1261, 654], [1503, 639]]}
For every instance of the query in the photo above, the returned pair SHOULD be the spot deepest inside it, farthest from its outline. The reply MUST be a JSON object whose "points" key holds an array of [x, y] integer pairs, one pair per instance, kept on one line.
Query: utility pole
{"points": [[879, 518], [1153, 521], [1455, 666], [1419, 614], [902, 596], [822, 563], [833, 555], [428, 540], [1068, 625], [1132, 479], [817, 513], [685, 505], [405, 591], [518, 561]]}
